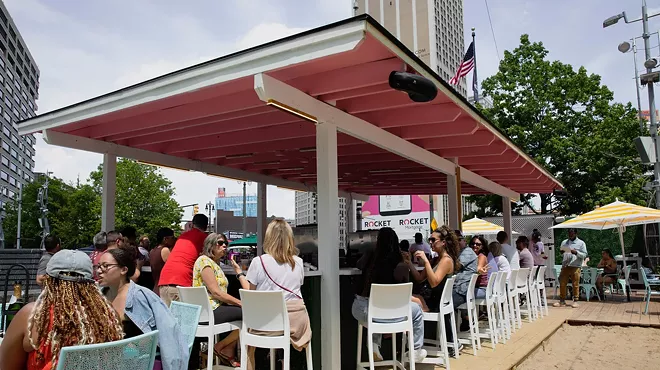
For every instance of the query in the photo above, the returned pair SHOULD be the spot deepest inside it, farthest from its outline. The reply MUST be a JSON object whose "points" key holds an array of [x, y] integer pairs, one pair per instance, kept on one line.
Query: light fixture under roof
{"points": [[237, 156], [385, 171], [291, 169], [291, 110]]}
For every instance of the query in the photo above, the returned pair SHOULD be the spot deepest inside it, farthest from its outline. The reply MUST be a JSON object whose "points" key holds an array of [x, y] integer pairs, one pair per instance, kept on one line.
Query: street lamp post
{"points": [[210, 208], [649, 69], [625, 47], [245, 184]]}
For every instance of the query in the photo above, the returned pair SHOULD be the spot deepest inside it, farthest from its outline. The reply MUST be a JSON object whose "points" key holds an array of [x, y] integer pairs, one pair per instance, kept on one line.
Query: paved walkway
{"points": [[505, 356], [617, 311]]}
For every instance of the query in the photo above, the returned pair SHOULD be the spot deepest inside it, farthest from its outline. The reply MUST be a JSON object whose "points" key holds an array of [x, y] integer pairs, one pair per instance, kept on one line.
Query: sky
{"points": [[88, 48]]}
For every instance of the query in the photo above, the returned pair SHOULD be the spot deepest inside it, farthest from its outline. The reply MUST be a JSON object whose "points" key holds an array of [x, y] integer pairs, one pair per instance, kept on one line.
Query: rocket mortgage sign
{"points": [[406, 214]]}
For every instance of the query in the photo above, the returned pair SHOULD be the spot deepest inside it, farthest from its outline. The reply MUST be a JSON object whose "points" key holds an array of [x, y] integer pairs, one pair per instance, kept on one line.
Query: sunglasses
{"points": [[432, 240], [222, 242], [477, 244]]}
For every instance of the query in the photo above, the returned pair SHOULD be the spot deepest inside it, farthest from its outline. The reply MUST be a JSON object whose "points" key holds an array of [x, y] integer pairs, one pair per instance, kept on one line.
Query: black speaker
{"points": [[419, 88]]}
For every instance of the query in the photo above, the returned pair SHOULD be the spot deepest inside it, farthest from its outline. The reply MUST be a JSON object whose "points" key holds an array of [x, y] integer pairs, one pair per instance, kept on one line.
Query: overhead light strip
{"points": [[291, 110]]}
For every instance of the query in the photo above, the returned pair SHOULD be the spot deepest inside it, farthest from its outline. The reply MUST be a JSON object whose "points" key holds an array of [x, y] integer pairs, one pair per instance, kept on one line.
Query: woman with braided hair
{"points": [[70, 311], [140, 309]]}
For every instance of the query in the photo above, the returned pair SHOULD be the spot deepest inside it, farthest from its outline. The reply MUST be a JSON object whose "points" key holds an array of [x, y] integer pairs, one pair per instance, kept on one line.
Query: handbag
{"points": [[275, 282]]}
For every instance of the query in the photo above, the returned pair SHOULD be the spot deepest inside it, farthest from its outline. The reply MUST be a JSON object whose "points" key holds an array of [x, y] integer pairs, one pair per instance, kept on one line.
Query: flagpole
{"points": [[475, 81]]}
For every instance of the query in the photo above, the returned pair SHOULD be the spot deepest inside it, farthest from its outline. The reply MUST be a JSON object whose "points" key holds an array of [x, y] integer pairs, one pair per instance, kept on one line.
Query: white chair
{"points": [[473, 316], [391, 303], [207, 327], [532, 295], [266, 311], [440, 345], [522, 287], [540, 290], [514, 304], [490, 303]]}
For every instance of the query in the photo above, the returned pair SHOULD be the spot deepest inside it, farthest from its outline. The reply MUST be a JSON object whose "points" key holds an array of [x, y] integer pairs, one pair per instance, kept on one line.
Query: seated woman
{"points": [[280, 269], [480, 247], [495, 258], [70, 311], [384, 265], [208, 273], [444, 242], [609, 275], [140, 309]]}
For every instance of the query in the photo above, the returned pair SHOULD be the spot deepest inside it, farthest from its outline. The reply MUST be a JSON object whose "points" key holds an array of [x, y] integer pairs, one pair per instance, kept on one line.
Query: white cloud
{"points": [[79, 61]]}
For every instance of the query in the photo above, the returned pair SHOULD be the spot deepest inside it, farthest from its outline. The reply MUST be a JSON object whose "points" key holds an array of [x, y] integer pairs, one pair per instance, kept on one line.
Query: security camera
{"points": [[651, 63], [419, 88]]}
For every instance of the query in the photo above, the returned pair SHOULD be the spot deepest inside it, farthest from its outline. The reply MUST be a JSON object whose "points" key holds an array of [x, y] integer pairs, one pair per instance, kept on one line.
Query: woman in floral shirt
{"points": [[208, 273]]}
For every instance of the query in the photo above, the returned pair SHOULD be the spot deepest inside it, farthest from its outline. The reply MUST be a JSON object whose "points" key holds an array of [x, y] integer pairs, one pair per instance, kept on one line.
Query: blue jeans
{"points": [[360, 311]]}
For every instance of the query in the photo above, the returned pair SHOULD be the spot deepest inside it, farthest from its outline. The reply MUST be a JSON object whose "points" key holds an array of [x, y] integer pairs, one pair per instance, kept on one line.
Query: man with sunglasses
{"points": [[178, 269]]}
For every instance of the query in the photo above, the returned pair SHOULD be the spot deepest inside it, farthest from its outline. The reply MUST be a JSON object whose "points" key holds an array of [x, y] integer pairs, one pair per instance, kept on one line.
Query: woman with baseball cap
{"points": [[70, 311]]}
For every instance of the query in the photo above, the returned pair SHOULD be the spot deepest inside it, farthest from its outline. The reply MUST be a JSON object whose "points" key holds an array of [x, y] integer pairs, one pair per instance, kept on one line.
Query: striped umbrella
{"points": [[617, 215], [477, 226]]}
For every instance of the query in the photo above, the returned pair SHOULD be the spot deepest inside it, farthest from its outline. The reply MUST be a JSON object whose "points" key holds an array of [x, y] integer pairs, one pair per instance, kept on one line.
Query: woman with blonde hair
{"points": [[280, 269], [70, 311]]}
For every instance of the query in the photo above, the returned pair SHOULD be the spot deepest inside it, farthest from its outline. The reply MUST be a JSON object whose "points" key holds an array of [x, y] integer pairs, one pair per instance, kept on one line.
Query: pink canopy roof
{"points": [[226, 123]]}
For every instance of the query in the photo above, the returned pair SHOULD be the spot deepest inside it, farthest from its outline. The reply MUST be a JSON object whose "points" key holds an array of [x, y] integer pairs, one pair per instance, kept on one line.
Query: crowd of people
{"points": [[94, 298], [447, 254]]}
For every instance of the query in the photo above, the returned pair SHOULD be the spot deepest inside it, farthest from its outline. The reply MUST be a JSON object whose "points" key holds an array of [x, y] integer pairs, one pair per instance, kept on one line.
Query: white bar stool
{"points": [[540, 287], [207, 327], [473, 316], [266, 311], [491, 310], [440, 344], [388, 302]]}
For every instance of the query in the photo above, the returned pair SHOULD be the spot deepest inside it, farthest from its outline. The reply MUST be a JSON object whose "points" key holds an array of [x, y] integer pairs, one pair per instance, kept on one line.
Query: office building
{"points": [[234, 203], [306, 214], [432, 29], [19, 78]]}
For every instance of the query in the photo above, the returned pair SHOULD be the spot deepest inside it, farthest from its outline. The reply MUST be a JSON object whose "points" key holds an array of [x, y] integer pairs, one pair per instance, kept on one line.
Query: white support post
{"points": [[454, 199], [328, 224], [262, 216], [109, 192], [506, 217], [350, 216]]}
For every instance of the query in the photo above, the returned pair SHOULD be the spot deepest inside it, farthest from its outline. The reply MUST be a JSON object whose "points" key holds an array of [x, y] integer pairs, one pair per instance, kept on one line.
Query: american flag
{"points": [[466, 66]]}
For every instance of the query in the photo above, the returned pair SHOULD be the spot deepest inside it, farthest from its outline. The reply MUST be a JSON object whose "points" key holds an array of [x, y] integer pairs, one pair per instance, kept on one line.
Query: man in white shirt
{"points": [[575, 251], [509, 251]]}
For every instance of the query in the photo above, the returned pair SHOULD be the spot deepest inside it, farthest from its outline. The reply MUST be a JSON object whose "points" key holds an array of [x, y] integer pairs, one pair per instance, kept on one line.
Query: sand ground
{"points": [[597, 348]]}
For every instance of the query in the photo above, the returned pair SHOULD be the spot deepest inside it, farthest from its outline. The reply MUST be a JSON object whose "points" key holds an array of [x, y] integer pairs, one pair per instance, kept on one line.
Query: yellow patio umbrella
{"points": [[477, 226], [617, 215]]}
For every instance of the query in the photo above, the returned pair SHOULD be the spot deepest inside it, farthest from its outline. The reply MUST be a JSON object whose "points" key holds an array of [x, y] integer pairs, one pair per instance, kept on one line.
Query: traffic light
{"points": [[195, 209]]}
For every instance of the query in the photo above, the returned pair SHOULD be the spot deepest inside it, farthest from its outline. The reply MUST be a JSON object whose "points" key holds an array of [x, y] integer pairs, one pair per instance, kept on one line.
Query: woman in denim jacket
{"points": [[140, 309]]}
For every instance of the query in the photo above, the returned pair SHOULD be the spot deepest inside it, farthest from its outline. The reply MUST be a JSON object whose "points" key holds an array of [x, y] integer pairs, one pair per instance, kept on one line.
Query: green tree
{"points": [[58, 200], [81, 219], [567, 121], [145, 198]]}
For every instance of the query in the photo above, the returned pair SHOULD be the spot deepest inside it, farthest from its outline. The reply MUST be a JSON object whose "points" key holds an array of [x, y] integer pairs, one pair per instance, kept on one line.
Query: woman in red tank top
{"points": [[70, 311]]}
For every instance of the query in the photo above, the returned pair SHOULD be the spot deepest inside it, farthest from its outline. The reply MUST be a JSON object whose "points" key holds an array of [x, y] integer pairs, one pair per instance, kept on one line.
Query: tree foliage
{"points": [[144, 200], [567, 121], [144, 197]]}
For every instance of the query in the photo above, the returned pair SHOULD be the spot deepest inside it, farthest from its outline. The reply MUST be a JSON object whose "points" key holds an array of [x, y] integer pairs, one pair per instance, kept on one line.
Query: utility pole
{"points": [[20, 212], [244, 209], [653, 118]]}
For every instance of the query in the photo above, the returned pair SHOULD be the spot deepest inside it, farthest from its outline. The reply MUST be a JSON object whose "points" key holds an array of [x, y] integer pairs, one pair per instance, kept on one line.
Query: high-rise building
{"points": [[234, 203], [306, 214], [19, 78], [432, 29]]}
